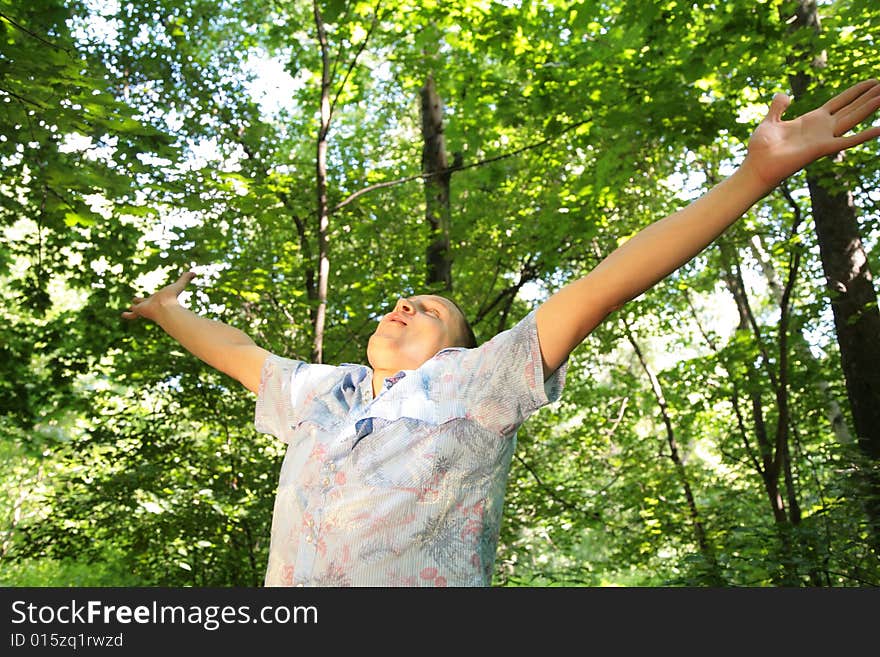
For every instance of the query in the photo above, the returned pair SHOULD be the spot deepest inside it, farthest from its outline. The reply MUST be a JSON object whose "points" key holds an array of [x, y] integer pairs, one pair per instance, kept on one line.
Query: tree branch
{"points": [[354, 60], [33, 35], [565, 503], [22, 98], [453, 169]]}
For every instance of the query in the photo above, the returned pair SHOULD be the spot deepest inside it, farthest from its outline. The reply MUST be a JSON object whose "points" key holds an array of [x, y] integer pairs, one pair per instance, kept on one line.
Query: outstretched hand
{"points": [[149, 307], [778, 148]]}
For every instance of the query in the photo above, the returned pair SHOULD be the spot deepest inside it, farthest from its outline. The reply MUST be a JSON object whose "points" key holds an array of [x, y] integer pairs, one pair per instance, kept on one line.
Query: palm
{"points": [[147, 307], [779, 148]]}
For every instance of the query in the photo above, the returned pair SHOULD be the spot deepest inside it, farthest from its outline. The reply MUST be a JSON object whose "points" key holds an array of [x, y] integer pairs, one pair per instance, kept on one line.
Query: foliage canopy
{"points": [[142, 138]]}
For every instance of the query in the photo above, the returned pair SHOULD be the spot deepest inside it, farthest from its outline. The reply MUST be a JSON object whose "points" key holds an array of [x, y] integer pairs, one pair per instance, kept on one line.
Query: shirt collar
{"points": [[391, 380]]}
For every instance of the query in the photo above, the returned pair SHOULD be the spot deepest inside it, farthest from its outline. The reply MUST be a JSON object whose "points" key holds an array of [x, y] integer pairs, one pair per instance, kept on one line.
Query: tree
{"points": [[850, 283], [573, 126]]}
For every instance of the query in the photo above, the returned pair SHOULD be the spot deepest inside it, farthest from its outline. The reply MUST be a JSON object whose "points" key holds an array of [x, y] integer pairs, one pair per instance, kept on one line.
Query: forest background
{"points": [[314, 161]]}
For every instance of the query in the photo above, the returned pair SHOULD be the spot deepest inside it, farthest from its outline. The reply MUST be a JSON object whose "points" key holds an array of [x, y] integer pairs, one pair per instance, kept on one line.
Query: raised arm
{"points": [[221, 346], [776, 150]]}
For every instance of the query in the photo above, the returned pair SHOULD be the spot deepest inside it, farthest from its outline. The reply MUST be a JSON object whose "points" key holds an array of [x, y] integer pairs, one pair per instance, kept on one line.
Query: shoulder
{"points": [[310, 374], [521, 333]]}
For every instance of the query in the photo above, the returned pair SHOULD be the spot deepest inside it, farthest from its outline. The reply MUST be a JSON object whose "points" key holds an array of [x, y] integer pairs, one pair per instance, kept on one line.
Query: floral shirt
{"points": [[404, 489]]}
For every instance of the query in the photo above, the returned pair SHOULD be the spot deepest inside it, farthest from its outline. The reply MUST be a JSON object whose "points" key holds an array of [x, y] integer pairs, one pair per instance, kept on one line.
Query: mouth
{"points": [[395, 318]]}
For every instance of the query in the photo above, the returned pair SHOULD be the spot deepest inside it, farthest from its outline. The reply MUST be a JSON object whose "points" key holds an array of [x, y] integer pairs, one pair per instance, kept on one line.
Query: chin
{"points": [[378, 349]]}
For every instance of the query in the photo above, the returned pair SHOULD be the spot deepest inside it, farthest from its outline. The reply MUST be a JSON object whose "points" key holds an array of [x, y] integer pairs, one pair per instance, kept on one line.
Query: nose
{"points": [[405, 306]]}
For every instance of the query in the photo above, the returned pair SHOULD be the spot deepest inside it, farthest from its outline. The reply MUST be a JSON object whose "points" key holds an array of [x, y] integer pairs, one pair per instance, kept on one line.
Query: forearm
{"points": [[776, 150], [661, 248], [211, 341]]}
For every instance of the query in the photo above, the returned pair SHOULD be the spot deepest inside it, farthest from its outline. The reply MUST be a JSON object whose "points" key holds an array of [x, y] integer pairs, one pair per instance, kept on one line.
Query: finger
{"points": [[854, 140], [858, 111], [183, 281], [842, 100], [136, 300], [778, 106], [129, 315]]}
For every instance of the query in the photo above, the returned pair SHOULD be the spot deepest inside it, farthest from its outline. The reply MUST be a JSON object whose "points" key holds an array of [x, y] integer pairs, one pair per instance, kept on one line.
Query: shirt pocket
{"points": [[408, 454], [321, 434], [409, 436]]}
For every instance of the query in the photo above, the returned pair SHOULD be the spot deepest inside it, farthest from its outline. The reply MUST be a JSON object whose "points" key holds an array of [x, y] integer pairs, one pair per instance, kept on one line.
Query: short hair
{"points": [[469, 339]]}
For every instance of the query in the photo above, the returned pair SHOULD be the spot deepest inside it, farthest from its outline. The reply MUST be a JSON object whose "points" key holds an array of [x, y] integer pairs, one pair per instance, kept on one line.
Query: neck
{"points": [[379, 377]]}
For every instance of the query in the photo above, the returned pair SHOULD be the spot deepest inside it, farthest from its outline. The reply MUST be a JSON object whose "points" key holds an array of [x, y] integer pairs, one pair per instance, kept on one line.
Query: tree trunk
{"points": [[321, 192], [437, 177], [713, 570], [832, 408], [773, 452], [854, 304], [768, 470], [853, 298]]}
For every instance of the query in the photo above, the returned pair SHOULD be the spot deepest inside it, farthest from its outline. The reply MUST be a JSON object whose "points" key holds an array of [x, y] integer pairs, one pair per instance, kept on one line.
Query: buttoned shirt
{"points": [[404, 489]]}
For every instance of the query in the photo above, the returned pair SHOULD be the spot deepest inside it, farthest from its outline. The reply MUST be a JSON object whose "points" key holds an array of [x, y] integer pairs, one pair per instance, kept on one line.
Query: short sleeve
{"points": [[293, 392], [274, 408], [502, 381]]}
